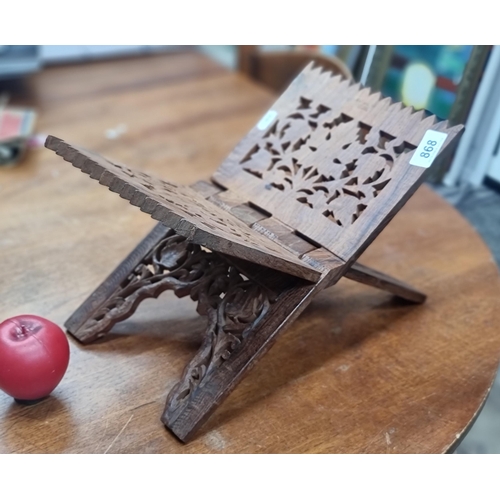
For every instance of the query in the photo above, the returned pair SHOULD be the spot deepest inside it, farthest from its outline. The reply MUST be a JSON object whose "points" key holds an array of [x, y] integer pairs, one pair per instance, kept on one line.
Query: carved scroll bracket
{"points": [[232, 302], [187, 269]]}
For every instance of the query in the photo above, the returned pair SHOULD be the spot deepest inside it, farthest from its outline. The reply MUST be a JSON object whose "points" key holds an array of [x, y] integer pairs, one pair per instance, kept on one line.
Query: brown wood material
{"points": [[333, 163], [277, 69], [363, 274], [245, 317], [356, 372], [86, 323], [254, 322], [184, 210]]}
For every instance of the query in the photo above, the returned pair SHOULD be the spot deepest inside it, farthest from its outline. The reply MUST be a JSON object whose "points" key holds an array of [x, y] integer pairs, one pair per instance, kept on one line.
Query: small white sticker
{"points": [[428, 149], [267, 119]]}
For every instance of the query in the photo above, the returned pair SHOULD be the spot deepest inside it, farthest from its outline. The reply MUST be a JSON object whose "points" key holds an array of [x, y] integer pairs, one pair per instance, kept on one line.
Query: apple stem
{"points": [[21, 332]]}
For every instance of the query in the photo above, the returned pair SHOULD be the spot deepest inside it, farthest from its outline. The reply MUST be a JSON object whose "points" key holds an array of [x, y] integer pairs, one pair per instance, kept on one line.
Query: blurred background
{"points": [[458, 83], [454, 82]]}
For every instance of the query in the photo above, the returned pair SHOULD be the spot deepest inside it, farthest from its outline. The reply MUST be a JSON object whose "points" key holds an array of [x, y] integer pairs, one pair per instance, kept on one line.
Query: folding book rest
{"points": [[286, 215]]}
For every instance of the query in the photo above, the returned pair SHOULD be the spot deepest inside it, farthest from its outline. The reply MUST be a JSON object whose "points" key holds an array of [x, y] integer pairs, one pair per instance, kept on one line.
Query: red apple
{"points": [[34, 356]]}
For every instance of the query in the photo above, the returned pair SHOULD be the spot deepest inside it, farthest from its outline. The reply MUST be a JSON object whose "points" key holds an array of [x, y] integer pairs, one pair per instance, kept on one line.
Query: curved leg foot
{"points": [[242, 326]]}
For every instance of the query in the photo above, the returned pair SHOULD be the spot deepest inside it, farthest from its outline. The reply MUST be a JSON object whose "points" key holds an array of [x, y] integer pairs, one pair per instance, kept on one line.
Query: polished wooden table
{"points": [[359, 372]]}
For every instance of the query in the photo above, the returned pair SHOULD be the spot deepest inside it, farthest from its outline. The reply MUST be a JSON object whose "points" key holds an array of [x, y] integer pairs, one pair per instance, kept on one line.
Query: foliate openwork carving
{"points": [[329, 162], [185, 210], [232, 303], [232, 316]]}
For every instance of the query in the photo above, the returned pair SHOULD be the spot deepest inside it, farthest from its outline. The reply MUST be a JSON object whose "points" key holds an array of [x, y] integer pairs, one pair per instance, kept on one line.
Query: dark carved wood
{"points": [[363, 274], [204, 387], [286, 215], [187, 269], [111, 286], [185, 211], [333, 162], [234, 307]]}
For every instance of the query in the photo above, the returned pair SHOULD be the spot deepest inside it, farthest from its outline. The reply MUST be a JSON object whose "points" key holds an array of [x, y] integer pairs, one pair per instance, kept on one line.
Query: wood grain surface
{"points": [[335, 161], [358, 372], [184, 210]]}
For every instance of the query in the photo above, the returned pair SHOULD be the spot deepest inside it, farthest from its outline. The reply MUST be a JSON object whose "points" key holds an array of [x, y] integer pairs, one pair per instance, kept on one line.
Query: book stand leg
{"points": [[246, 307]]}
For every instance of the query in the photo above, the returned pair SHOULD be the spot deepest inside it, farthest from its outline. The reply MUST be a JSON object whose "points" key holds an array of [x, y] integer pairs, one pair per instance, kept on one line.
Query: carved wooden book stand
{"points": [[286, 215]]}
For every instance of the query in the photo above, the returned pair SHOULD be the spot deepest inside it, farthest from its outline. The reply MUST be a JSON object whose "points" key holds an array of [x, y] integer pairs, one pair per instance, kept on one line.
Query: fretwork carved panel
{"points": [[333, 163], [291, 155], [231, 301], [185, 211], [328, 167]]}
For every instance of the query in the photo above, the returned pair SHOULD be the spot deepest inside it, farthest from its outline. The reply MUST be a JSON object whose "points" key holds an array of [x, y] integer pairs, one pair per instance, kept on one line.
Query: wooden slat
{"points": [[284, 235], [229, 201], [321, 258], [185, 211], [363, 274], [205, 188], [248, 214]]}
